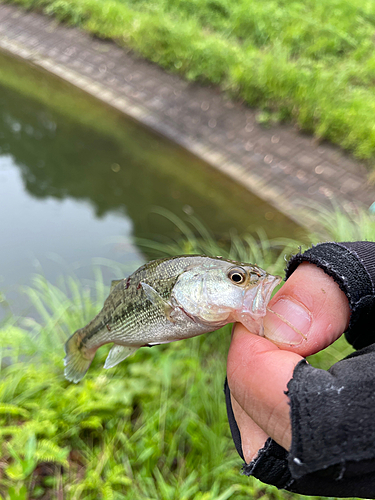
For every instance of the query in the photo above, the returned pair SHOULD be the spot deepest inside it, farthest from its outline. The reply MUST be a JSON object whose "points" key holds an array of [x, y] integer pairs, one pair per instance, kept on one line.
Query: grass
{"points": [[296, 61], [340, 225], [155, 426]]}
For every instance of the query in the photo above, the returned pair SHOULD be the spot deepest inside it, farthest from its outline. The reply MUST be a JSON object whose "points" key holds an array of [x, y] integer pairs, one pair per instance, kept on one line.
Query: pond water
{"points": [[79, 182]]}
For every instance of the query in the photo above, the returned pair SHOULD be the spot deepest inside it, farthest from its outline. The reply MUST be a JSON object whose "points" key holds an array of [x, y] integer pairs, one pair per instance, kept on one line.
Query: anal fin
{"points": [[118, 353]]}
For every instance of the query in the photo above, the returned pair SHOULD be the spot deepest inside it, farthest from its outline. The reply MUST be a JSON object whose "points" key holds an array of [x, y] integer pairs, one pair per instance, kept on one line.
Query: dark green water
{"points": [[79, 181]]}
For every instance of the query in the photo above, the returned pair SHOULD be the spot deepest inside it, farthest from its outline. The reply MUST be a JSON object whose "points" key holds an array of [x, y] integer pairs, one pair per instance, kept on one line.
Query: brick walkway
{"points": [[284, 167]]}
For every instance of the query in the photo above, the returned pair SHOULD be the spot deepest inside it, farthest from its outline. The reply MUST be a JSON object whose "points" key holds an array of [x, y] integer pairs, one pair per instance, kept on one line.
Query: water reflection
{"points": [[75, 175], [129, 174], [53, 236]]}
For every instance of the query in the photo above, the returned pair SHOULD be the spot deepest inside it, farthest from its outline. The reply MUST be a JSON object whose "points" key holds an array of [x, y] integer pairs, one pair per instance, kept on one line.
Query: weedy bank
{"points": [[311, 63], [155, 426]]}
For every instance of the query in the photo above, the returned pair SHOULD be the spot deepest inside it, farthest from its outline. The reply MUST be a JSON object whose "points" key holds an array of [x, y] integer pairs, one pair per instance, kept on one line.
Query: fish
{"points": [[171, 299]]}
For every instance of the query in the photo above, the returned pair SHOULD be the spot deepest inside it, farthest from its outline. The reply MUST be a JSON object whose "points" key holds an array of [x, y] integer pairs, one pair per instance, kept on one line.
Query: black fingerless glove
{"points": [[333, 428]]}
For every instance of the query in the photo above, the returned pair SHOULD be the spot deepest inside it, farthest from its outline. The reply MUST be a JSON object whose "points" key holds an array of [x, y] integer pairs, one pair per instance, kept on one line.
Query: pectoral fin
{"points": [[115, 283], [117, 354], [157, 299]]}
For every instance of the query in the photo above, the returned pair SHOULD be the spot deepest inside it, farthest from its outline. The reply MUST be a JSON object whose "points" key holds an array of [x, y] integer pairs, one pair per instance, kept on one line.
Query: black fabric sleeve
{"points": [[333, 431], [333, 428]]}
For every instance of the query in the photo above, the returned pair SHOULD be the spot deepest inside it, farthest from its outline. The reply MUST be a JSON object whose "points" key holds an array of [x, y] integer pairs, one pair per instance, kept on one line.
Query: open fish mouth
{"points": [[257, 298]]}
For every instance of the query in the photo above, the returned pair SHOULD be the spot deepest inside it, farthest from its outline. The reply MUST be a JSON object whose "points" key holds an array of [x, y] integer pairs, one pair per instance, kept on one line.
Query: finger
{"points": [[253, 437], [258, 374], [308, 313]]}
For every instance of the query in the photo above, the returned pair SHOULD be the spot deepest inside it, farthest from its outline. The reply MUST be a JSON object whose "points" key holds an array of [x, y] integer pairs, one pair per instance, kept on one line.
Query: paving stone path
{"points": [[288, 169]]}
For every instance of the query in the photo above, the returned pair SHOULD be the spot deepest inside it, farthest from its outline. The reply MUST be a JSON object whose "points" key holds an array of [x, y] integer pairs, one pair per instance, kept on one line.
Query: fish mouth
{"points": [[256, 299]]}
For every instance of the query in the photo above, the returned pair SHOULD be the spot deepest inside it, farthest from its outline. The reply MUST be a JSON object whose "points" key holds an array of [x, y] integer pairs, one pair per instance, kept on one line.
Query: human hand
{"points": [[259, 370]]}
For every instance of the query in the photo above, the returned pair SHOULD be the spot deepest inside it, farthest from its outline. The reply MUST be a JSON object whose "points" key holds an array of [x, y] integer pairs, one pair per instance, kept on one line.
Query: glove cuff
{"points": [[270, 466]]}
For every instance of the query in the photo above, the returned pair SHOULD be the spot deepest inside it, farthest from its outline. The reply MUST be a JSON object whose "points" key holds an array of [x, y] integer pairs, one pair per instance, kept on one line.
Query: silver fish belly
{"points": [[167, 300]]}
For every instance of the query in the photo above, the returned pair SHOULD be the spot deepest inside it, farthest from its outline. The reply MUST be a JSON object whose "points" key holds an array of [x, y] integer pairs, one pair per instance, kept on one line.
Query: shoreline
{"points": [[287, 169]]}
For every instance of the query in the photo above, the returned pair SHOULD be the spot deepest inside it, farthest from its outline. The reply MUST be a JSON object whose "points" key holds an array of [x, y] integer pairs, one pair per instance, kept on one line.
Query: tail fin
{"points": [[78, 358]]}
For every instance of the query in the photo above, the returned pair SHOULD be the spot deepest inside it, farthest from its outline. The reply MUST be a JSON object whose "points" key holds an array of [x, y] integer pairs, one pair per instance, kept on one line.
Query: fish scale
{"points": [[167, 300]]}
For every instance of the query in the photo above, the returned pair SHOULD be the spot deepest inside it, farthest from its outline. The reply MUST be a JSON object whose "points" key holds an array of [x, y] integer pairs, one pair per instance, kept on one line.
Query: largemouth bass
{"points": [[171, 299]]}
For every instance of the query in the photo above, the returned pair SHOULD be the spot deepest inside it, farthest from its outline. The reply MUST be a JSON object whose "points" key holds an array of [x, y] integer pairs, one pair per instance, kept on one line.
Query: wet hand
{"points": [[306, 315]]}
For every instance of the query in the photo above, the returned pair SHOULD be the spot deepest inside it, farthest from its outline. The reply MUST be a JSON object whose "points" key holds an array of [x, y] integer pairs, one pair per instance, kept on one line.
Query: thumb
{"points": [[308, 313]]}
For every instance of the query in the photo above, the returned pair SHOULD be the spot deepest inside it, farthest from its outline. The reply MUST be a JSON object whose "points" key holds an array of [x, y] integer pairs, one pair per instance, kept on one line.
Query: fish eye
{"points": [[237, 275]]}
